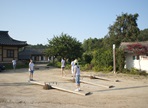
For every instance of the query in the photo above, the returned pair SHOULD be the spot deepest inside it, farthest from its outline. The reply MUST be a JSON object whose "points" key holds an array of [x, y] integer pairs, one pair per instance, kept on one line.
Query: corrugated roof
{"points": [[5, 39]]}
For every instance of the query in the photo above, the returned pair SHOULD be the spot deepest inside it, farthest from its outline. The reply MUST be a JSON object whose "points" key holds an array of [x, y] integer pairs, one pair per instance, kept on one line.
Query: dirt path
{"points": [[17, 92]]}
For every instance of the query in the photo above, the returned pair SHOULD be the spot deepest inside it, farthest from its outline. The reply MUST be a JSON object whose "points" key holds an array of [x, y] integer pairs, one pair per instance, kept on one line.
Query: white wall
{"points": [[142, 63], [129, 61]]}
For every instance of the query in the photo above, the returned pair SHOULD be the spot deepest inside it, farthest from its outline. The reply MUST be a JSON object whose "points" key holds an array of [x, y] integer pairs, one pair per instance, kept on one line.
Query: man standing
{"points": [[14, 64], [77, 76], [63, 66], [31, 70], [72, 67]]}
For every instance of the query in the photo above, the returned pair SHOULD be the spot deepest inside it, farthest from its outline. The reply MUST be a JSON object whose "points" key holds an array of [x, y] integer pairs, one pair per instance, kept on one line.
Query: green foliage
{"points": [[64, 46], [101, 68], [55, 64], [134, 71], [91, 44], [125, 29], [143, 36], [86, 67], [58, 65], [39, 46], [97, 68], [87, 57], [138, 72], [109, 68], [102, 57], [120, 60], [97, 53]]}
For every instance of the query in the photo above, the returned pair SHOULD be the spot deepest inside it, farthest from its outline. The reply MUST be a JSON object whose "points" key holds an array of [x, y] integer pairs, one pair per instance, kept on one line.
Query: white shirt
{"points": [[77, 70], [72, 64], [72, 67], [31, 66], [14, 62], [62, 63]]}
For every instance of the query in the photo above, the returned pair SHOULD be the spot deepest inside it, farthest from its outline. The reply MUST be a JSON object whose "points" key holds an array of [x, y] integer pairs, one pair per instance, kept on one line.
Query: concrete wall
{"points": [[141, 64]]}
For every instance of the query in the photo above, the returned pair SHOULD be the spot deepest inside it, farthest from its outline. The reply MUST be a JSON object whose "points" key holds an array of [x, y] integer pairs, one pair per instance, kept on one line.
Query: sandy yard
{"points": [[17, 92]]}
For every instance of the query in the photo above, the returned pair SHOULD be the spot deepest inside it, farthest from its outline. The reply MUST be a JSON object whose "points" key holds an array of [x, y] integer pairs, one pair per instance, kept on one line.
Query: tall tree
{"points": [[64, 46], [92, 44], [143, 36], [125, 29]]}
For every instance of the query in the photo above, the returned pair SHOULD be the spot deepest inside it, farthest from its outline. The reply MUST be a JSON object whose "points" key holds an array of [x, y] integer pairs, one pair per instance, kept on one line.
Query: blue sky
{"points": [[35, 21]]}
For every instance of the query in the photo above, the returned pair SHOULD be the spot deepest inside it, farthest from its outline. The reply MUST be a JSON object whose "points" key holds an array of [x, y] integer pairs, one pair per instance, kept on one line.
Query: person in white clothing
{"points": [[72, 67], [31, 70], [14, 63], [63, 67], [77, 76]]}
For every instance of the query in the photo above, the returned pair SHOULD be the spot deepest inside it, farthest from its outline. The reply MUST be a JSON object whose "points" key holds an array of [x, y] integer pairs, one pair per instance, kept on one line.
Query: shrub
{"points": [[97, 68], [110, 68], [134, 71]]}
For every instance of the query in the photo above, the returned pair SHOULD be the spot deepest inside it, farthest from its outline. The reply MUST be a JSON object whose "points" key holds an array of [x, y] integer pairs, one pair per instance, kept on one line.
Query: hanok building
{"points": [[33, 53], [9, 47]]}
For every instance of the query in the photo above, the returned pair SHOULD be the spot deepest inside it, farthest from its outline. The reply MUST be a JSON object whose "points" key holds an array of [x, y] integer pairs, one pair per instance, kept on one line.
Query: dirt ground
{"points": [[16, 92]]}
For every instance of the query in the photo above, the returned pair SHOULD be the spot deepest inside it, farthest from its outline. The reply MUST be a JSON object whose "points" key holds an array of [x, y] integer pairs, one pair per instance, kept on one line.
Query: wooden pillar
{"points": [[114, 58]]}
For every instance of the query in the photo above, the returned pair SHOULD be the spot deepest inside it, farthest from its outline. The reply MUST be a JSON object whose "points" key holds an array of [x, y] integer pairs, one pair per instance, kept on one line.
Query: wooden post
{"points": [[114, 58]]}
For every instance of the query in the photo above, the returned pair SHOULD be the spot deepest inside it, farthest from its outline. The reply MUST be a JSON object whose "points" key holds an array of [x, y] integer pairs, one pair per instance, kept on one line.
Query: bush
{"points": [[86, 67], [97, 68], [110, 68], [143, 73], [125, 71], [134, 71], [57, 64]]}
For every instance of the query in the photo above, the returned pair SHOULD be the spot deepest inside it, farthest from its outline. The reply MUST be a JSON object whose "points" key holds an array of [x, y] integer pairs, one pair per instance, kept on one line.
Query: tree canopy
{"points": [[125, 29], [64, 46], [143, 36]]}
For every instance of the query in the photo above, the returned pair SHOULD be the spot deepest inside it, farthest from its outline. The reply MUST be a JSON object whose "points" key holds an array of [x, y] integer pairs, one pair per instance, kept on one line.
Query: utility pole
{"points": [[114, 58]]}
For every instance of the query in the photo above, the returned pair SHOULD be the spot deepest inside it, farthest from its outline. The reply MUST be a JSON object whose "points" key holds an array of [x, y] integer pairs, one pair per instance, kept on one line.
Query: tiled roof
{"points": [[28, 52], [5, 39]]}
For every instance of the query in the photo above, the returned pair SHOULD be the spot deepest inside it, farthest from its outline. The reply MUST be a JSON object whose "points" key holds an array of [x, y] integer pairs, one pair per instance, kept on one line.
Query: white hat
{"points": [[75, 61]]}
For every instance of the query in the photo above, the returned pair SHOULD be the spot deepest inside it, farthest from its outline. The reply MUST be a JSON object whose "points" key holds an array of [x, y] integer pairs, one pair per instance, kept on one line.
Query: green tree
{"points": [[64, 46], [120, 59], [102, 58], [125, 29], [92, 44], [143, 36], [87, 57]]}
